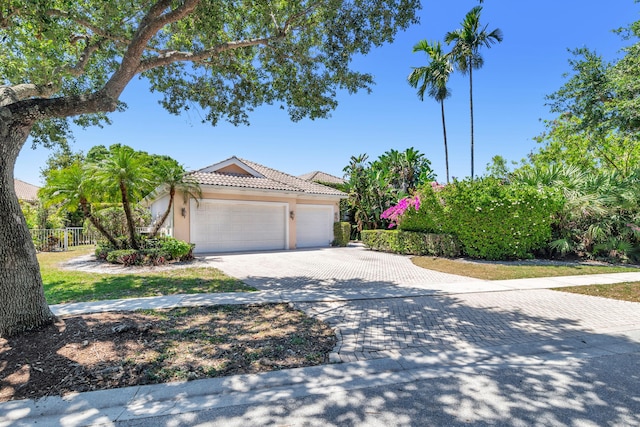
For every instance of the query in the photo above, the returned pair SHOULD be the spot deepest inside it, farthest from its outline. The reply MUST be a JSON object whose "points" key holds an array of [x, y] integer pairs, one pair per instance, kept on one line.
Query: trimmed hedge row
{"points": [[411, 242]]}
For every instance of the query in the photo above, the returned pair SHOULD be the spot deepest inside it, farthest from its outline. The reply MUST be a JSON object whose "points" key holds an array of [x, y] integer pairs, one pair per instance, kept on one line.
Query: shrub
{"points": [[411, 242], [153, 251], [493, 220], [154, 256], [430, 217], [177, 249], [341, 233], [125, 257]]}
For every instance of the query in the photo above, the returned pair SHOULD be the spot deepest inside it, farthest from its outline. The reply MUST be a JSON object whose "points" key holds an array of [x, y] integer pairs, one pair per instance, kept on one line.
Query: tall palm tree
{"points": [[433, 79], [466, 52], [70, 188], [123, 175], [171, 177]]}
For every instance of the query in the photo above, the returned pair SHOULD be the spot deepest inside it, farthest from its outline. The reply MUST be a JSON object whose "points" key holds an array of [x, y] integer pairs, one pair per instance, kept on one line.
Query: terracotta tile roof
{"points": [[271, 179], [319, 176], [26, 191]]}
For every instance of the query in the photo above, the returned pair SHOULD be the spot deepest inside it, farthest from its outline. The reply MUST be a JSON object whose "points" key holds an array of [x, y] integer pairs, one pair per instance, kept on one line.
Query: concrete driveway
{"points": [[330, 269]]}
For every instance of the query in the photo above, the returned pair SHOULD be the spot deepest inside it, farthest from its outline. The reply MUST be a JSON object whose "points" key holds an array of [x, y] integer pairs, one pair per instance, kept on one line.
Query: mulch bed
{"points": [[119, 349]]}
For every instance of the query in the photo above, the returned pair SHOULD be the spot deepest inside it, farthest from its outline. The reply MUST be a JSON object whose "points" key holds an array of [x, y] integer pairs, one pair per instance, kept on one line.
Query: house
{"points": [[25, 191], [249, 207], [321, 178]]}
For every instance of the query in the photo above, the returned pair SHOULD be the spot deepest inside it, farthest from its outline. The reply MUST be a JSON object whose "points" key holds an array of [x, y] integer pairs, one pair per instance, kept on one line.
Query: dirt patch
{"points": [[120, 349]]}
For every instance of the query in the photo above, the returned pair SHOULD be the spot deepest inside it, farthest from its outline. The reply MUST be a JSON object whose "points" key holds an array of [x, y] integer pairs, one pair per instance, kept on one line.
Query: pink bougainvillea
{"points": [[394, 213]]}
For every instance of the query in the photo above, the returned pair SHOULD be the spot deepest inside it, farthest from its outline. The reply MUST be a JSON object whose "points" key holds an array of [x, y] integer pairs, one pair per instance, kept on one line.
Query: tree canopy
{"points": [[63, 58], [598, 123]]}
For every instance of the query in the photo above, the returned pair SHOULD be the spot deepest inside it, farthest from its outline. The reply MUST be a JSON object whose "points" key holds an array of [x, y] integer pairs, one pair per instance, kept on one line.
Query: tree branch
{"points": [[149, 26], [169, 57], [12, 94], [34, 109]]}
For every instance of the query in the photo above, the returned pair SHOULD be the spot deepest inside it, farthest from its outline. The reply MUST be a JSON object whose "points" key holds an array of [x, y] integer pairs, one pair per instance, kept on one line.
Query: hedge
{"points": [[493, 220], [341, 233], [411, 242]]}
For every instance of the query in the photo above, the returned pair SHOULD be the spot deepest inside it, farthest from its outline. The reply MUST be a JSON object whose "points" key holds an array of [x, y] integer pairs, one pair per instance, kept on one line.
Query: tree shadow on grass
{"points": [[135, 286]]}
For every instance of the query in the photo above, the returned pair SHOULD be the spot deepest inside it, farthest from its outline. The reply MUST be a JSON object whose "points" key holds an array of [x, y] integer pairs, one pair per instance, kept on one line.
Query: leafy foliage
{"points": [[153, 251], [598, 124], [601, 212], [374, 186], [341, 233], [411, 242], [115, 175], [430, 217], [493, 220]]}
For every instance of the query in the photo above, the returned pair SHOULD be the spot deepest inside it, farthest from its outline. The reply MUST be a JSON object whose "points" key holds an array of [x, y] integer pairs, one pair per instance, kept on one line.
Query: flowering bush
{"points": [[394, 213]]}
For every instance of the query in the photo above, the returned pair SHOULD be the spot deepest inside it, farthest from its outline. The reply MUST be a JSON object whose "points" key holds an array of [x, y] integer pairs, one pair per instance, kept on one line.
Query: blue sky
{"points": [[509, 99]]}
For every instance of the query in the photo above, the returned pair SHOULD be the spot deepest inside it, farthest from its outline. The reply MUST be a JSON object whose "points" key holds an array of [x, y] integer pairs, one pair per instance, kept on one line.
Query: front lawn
{"points": [[505, 271], [622, 291], [63, 286]]}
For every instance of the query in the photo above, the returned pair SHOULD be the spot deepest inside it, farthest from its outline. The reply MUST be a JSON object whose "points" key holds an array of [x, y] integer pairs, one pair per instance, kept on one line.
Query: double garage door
{"points": [[231, 226]]}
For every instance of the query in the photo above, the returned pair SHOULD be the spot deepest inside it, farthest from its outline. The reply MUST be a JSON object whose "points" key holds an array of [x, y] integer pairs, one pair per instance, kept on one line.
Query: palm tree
{"points": [[171, 177], [123, 175], [70, 188], [466, 51], [433, 79]]}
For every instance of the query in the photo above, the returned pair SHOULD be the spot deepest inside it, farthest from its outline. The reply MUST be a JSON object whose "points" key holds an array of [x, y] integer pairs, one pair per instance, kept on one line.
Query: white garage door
{"points": [[224, 226], [314, 225]]}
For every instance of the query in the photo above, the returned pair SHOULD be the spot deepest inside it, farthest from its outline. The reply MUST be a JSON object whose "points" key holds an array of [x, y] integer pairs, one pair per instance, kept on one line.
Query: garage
{"points": [[314, 225], [231, 226]]}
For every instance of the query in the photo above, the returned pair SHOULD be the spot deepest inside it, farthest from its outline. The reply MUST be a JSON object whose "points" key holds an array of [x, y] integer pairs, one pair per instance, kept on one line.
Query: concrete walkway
{"points": [[397, 324]]}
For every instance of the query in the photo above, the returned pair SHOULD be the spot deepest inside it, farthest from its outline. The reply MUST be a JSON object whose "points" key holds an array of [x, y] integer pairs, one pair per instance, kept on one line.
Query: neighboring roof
{"points": [[239, 173], [26, 191], [322, 177]]}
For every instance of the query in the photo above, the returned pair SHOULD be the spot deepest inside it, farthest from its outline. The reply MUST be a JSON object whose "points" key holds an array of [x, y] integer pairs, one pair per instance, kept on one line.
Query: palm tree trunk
{"points": [[22, 302], [165, 215], [444, 133], [126, 205], [88, 214], [471, 111]]}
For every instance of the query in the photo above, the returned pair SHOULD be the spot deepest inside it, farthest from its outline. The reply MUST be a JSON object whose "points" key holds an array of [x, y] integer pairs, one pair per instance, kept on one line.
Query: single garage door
{"points": [[314, 225], [231, 226]]}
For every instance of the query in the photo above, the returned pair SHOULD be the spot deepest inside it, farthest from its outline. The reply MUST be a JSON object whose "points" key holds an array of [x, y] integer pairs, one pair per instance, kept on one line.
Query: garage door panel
{"points": [[314, 225], [218, 226]]}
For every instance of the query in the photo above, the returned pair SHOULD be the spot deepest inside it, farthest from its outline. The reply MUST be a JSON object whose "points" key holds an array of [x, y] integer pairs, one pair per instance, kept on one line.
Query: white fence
{"points": [[59, 239]]}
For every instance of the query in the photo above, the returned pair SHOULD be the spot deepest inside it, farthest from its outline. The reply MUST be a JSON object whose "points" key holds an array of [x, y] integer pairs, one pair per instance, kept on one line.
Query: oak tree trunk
{"points": [[22, 302]]}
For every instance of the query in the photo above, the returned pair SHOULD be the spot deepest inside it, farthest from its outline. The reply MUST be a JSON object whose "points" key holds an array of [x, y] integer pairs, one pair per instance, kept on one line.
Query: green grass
{"points": [[62, 286], [621, 291], [505, 271]]}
